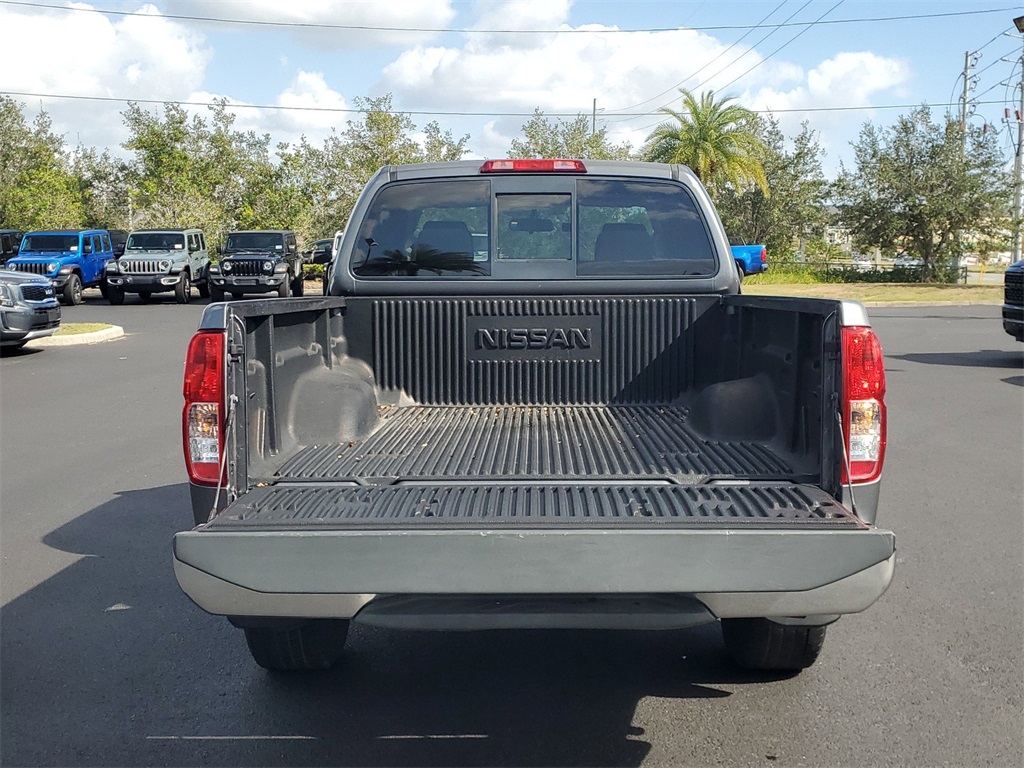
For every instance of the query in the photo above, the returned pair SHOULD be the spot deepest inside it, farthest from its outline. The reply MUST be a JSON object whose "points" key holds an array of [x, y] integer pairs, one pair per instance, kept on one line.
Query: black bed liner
{"points": [[479, 505], [537, 442]]}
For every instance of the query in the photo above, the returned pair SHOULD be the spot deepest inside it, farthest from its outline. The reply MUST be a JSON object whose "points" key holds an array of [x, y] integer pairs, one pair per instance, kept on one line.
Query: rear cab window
{"points": [[533, 227]]}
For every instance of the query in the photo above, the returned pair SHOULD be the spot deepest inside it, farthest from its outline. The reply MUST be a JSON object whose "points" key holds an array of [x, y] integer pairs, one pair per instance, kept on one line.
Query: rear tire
{"points": [[298, 287], [739, 268], [283, 290], [763, 644], [73, 290], [204, 290], [115, 295], [183, 290], [317, 644], [216, 294]]}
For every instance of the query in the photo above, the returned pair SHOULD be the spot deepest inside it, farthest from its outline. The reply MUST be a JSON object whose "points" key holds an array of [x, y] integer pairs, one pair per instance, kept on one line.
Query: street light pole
{"points": [[1018, 159]]}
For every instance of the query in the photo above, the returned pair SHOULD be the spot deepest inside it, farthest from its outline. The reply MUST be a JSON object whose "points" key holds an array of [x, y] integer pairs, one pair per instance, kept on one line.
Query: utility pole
{"points": [[593, 119], [1018, 159], [963, 100]]}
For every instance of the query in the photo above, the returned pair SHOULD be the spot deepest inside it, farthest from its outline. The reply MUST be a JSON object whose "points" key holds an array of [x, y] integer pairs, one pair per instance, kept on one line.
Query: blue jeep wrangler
{"points": [[72, 259]]}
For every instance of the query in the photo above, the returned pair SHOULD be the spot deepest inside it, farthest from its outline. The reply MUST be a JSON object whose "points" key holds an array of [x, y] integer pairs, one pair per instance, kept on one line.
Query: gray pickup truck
{"points": [[534, 398]]}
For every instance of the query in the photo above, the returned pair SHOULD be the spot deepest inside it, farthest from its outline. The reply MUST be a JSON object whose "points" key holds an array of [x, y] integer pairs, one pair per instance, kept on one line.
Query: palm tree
{"points": [[716, 139]]}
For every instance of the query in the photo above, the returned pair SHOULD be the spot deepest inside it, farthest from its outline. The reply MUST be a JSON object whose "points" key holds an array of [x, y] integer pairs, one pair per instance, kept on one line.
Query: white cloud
{"points": [[88, 54], [627, 72], [414, 14], [302, 102], [848, 79]]}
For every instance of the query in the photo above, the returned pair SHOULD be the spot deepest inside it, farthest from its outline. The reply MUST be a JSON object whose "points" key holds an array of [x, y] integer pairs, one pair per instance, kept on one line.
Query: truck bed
{"points": [[593, 443]]}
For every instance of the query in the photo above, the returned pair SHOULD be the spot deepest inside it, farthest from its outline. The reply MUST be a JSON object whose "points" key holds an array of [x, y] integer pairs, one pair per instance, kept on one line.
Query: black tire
{"points": [[204, 289], [216, 294], [317, 644], [115, 295], [767, 645], [183, 289], [105, 290], [145, 296], [739, 268], [73, 290], [298, 286], [284, 289], [326, 278]]}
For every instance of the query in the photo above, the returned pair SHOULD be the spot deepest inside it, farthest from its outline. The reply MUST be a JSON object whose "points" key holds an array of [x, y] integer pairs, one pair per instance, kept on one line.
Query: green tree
{"points": [[544, 138], [194, 172], [105, 184], [37, 187], [916, 189], [717, 140], [319, 185], [796, 207]]}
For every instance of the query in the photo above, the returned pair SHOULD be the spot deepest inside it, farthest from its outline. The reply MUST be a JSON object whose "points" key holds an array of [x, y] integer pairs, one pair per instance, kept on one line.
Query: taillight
{"points": [[533, 166], [203, 415], [764, 255], [863, 404]]}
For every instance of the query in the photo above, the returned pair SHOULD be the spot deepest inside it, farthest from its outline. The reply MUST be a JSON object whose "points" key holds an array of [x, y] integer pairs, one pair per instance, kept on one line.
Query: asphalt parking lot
{"points": [[104, 662]]}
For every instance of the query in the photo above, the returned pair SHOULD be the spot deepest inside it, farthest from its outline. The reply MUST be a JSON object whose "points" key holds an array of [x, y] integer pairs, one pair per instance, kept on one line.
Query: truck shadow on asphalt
{"points": [[982, 358], [108, 663]]}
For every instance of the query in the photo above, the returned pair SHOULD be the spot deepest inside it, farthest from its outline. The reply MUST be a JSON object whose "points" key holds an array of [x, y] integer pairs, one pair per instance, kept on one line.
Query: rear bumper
{"points": [[732, 572]]}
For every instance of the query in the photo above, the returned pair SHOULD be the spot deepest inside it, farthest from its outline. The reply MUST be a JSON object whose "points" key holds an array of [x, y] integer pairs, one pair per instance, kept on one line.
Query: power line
{"points": [[707, 64], [434, 113], [467, 30], [762, 61], [997, 61], [784, 45]]}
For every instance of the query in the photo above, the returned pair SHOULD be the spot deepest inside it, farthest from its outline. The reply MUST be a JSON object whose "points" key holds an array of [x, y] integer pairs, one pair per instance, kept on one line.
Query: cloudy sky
{"points": [[481, 67]]}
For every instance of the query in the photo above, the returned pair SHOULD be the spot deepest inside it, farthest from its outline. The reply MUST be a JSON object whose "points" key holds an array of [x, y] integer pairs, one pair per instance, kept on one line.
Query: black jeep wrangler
{"points": [[263, 261]]}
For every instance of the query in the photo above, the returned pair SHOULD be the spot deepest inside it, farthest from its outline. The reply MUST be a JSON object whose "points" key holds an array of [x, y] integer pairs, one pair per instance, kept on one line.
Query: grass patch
{"points": [[882, 292], [72, 329], [784, 277]]}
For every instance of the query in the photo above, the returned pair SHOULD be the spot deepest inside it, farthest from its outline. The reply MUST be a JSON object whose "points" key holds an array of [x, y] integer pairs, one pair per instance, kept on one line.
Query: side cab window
{"points": [[193, 243], [107, 247], [202, 241], [290, 243], [86, 244]]}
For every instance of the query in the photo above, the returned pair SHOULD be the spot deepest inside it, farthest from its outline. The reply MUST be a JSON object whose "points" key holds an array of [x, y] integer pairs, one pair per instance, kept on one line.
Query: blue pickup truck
{"points": [[72, 259], [750, 259]]}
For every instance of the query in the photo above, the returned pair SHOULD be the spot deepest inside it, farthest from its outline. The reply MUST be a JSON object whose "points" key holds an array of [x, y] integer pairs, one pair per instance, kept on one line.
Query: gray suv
{"points": [[258, 261], [28, 308], [160, 260]]}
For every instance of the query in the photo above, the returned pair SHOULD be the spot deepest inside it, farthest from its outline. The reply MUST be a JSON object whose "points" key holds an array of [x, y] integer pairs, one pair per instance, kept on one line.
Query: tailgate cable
{"points": [[228, 419], [223, 459], [846, 462]]}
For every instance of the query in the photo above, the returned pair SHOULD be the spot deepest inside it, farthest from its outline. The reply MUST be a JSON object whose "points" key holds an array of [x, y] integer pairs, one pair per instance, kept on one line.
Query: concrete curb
{"points": [[932, 303], [93, 337]]}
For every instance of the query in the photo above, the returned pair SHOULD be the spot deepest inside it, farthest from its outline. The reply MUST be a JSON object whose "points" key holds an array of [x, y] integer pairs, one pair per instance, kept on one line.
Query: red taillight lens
{"points": [[203, 415], [533, 166], [764, 255], [863, 404]]}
